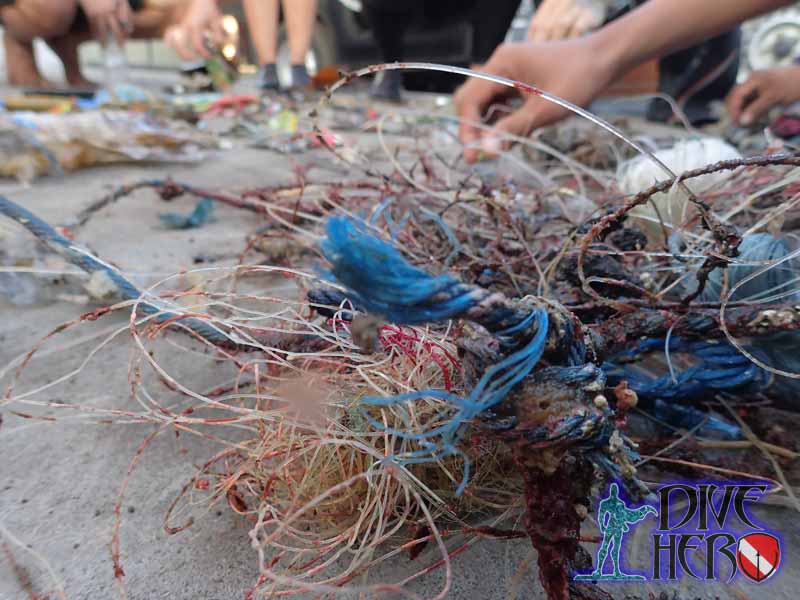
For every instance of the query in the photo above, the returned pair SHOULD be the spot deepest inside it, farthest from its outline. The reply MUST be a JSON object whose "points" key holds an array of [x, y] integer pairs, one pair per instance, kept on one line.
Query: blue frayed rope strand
{"points": [[719, 367], [490, 390], [380, 281]]}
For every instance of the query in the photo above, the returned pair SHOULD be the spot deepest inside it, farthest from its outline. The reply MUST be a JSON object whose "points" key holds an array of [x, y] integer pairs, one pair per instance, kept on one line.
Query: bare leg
{"points": [[26, 20], [300, 16], [66, 47], [20, 63], [262, 21]]}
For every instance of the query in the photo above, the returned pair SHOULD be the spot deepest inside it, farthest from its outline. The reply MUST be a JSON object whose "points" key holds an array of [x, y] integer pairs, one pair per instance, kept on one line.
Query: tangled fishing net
{"points": [[449, 354]]}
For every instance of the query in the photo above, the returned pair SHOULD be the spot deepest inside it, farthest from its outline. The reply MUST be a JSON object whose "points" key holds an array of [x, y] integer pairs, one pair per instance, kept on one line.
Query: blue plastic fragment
{"points": [[201, 214]]}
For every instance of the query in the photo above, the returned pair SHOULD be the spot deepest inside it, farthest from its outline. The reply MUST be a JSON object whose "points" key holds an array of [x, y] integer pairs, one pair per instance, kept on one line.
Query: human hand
{"points": [[562, 19], [109, 16], [763, 90], [577, 70], [201, 25]]}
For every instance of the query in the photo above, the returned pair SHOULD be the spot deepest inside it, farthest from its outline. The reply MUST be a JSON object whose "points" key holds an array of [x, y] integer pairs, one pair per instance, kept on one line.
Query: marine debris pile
{"points": [[427, 354]]}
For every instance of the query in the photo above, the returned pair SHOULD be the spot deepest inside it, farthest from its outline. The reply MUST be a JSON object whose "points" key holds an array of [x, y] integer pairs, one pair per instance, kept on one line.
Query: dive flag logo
{"points": [[758, 555]]}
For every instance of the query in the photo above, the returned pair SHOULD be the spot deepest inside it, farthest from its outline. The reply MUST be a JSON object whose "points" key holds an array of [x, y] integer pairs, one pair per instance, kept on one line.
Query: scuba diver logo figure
{"points": [[614, 519]]}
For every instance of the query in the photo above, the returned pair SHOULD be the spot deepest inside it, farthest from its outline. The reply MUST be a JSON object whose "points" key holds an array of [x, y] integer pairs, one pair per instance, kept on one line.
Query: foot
{"points": [[21, 64], [300, 78], [268, 77], [78, 82], [388, 85]]}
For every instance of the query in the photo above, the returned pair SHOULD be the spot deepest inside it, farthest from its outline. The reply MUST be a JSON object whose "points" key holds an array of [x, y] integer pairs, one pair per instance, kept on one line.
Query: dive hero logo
{"points": [[693, 534], [708, 513]]}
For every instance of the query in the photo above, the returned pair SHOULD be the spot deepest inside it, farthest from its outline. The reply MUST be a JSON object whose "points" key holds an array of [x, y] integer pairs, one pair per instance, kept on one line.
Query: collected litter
{"points": [[457, 359], [47, 142]]}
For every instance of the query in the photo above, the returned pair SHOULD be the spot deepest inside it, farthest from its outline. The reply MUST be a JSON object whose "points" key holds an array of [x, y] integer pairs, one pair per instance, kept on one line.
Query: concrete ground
{"points": [[59, 480]]}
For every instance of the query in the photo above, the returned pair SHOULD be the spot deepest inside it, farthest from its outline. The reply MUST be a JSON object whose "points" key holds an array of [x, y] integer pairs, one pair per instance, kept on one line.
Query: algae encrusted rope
{"points": [[379, 280]]}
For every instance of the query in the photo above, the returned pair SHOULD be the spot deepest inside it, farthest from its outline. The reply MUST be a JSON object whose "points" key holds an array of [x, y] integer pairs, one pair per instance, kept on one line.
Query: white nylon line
{"points": [[764, 566]]}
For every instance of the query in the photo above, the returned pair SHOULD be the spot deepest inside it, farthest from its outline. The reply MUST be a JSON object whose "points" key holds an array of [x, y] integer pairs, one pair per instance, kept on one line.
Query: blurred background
{"points": [[342, 38]]}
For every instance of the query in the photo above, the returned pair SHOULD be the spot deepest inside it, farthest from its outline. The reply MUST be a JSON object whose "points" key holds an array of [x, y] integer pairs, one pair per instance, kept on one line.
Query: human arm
{"points": [[763, 90], [580, 69]]}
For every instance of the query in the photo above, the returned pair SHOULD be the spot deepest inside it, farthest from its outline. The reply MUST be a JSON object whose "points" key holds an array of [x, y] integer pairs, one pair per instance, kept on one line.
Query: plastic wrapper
{"points": [[33, 144], [21, 156]]}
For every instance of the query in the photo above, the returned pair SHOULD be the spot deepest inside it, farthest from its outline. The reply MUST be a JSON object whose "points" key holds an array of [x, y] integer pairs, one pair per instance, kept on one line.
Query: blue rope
{"points": [[718, 367], [84, 260], [778, 284], [380, 281], [583, 429], [203, 212]]}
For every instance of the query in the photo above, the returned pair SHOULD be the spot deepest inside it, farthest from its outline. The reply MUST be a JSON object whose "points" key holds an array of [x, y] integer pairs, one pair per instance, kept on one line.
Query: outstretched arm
{"points": [[581, 69], [641, 513], [661, 27]]}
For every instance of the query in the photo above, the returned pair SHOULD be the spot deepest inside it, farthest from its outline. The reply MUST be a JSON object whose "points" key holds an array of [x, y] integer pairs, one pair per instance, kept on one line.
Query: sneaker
{"points": [[268, 77], [300, 78]]}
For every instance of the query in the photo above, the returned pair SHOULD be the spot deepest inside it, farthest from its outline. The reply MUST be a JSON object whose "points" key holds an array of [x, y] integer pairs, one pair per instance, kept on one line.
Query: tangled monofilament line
{"points": [[309, 471]]}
